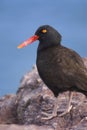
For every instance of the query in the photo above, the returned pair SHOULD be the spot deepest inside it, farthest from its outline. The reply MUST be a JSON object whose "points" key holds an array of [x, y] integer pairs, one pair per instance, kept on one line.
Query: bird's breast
{"points": [[49, 67]]}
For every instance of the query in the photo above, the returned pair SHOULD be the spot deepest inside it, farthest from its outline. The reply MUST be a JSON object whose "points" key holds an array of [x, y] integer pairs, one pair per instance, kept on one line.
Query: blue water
{"points": [[19, 19]]}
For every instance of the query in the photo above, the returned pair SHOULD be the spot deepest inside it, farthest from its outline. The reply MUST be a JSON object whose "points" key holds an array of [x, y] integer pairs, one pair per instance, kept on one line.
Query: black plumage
{"points": [[61, 69]]}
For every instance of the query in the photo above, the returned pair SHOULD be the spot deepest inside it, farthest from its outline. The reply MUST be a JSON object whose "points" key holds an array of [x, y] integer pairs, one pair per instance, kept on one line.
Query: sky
{"points": [[19, 20]]}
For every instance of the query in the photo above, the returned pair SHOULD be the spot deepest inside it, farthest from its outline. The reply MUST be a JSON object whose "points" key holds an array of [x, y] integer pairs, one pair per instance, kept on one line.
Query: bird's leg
{"points": [[81, 101], [69, 106], [54, 113]]}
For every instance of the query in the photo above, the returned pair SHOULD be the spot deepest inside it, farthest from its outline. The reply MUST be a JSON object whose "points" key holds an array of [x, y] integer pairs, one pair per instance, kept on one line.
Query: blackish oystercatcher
{"points": [[60, 68]]}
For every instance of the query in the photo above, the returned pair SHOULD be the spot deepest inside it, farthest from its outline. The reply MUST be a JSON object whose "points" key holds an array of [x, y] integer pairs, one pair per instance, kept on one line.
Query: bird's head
{"points": [[47, 36]]}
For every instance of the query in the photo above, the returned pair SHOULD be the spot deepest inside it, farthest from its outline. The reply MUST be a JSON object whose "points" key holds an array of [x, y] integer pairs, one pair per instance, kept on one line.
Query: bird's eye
{"points": [[44, 31]]}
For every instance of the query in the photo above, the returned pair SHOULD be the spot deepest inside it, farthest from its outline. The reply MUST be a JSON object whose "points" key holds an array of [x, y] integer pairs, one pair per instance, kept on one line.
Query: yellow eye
{"points": [[44, 31]]}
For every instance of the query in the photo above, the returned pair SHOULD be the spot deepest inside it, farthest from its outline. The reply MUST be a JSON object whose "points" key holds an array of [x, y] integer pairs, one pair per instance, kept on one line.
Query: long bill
{"points": [[28, 41]]}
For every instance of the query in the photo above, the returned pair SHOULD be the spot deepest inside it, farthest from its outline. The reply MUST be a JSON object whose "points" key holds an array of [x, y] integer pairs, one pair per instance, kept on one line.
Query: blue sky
{"points": [[19, 19]]}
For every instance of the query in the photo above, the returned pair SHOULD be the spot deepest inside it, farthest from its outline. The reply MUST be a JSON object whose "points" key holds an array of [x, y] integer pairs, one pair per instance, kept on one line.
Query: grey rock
{"points": [[18, 127], [8, 114]]}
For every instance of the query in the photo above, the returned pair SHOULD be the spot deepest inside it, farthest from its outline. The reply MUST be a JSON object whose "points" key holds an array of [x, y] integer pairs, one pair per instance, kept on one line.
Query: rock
{"points": [[30, 127], [8, 109], [85, 61], [32, 99]]}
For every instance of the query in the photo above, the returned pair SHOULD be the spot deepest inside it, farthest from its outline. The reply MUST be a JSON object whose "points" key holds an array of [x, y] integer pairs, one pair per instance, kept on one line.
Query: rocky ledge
{"points": [[24, 110]]}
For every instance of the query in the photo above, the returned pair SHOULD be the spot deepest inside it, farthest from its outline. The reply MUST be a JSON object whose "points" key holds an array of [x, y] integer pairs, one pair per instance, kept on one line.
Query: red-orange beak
{"points": [[28, 41]]}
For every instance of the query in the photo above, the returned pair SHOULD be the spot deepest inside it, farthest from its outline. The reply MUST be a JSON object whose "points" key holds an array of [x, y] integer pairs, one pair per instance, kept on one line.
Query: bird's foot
{"points": [[49, 116], [66, 111]]}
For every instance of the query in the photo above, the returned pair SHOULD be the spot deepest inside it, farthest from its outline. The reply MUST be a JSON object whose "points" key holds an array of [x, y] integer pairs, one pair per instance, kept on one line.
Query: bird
{"points": [[61, 69]]}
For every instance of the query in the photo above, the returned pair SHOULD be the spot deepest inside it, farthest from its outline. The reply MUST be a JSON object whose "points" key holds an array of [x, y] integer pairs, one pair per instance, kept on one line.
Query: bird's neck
{"points": [[44, 46]]}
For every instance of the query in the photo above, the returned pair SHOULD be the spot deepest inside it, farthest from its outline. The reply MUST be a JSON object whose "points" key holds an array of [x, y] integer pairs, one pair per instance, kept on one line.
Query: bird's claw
{"points": [[66, 111], [49, 116]]}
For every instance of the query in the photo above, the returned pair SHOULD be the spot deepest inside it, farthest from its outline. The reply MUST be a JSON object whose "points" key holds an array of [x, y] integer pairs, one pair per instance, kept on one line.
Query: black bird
{"points": [[60, 68]]}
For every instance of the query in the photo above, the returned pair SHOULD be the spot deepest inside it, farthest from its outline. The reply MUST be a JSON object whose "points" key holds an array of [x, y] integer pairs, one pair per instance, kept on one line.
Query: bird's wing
{"points": [[74, 68]]}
